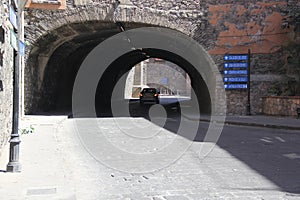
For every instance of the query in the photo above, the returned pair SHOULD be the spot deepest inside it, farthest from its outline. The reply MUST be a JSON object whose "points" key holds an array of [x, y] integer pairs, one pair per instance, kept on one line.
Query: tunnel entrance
{"points": [[125, 63], [52, 93]]}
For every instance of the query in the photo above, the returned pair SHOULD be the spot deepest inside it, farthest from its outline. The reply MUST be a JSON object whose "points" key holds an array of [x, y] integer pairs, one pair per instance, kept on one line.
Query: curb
{"points": [[250, 124]]}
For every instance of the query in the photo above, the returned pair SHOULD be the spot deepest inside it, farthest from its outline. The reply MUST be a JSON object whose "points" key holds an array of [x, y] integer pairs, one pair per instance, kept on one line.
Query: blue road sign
{"points": [[13, 40], [235, 79], [22, 48], [235, 86], [236, 57], [236, 65], [164, 81], [13, 17], [239, 72]]}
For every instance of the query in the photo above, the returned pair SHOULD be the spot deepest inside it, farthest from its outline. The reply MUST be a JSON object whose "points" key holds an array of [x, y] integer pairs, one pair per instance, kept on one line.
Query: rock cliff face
{"points": [[267, 28]]}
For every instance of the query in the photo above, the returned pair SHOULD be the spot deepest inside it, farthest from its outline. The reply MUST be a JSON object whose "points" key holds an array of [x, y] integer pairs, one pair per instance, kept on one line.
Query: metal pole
{"points": [[14, 147], [248, 85], [21, 7], [14, 164], [22, 68], [142, 73]]}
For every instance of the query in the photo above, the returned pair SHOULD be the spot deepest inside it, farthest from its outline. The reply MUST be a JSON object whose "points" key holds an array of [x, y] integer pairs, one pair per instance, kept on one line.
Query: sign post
{"points": [[237, 74], [248, 88]]}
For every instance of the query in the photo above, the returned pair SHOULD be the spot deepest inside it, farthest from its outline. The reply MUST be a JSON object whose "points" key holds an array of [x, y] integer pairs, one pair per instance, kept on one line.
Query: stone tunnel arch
{"points": [[53, 64], [50, 57], [51, 35]]}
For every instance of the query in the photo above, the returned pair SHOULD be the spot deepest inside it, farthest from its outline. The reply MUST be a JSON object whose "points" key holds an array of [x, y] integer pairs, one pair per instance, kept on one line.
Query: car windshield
{"points": [[149, 90]]}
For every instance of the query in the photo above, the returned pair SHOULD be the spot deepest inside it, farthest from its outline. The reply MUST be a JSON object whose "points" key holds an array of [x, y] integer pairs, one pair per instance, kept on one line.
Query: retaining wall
{"points": [[281, 105]]}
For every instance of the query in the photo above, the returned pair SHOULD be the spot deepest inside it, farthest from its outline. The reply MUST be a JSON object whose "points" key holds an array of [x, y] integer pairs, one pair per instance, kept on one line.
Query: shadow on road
{"points": [[273, 153]]}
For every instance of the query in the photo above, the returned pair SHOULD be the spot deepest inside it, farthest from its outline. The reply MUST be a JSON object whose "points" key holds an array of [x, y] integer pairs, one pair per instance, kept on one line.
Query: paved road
{"points": [[106, 158]]}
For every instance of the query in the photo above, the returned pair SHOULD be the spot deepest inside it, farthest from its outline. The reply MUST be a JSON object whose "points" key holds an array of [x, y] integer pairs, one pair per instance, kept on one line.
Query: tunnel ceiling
{"points": [[79, 33], [61, 52]]}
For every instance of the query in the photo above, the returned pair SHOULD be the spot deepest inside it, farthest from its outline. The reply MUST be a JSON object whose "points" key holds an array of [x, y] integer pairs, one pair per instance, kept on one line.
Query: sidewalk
{"points": [[276, 122], [56, 166], [43, 171]]}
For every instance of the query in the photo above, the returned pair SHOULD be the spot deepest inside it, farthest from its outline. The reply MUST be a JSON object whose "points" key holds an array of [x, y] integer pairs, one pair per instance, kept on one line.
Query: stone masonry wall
{"points": [[167, 77], [266, 74], [6, 76], [266, 27], [282, 106], [260, 27]]}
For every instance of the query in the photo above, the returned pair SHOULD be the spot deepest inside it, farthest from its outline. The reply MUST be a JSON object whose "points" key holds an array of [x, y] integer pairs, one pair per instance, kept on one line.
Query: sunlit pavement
{"points": [[80, 159]]}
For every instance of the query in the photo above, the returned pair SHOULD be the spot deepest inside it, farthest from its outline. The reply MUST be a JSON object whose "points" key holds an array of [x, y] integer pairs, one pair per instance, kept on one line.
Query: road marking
{"points": [[292, 156], [280, 139], [265, 140]]}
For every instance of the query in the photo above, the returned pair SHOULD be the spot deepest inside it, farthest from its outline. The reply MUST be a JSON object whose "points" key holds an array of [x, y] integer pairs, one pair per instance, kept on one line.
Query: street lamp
{"points": [[14, 148]]}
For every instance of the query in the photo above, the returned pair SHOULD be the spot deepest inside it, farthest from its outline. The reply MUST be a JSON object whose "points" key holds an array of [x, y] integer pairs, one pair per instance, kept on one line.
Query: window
{"points": [[2, 34], [1, 86], [1, 59]]}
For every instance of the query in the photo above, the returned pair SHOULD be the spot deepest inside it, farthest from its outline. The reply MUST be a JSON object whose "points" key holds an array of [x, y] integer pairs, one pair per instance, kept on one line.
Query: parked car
{"points": [[149, 95]]}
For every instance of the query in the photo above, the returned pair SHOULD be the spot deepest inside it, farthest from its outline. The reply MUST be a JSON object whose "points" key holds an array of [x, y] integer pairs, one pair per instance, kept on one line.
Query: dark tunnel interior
{"points": [[124, 63]]}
